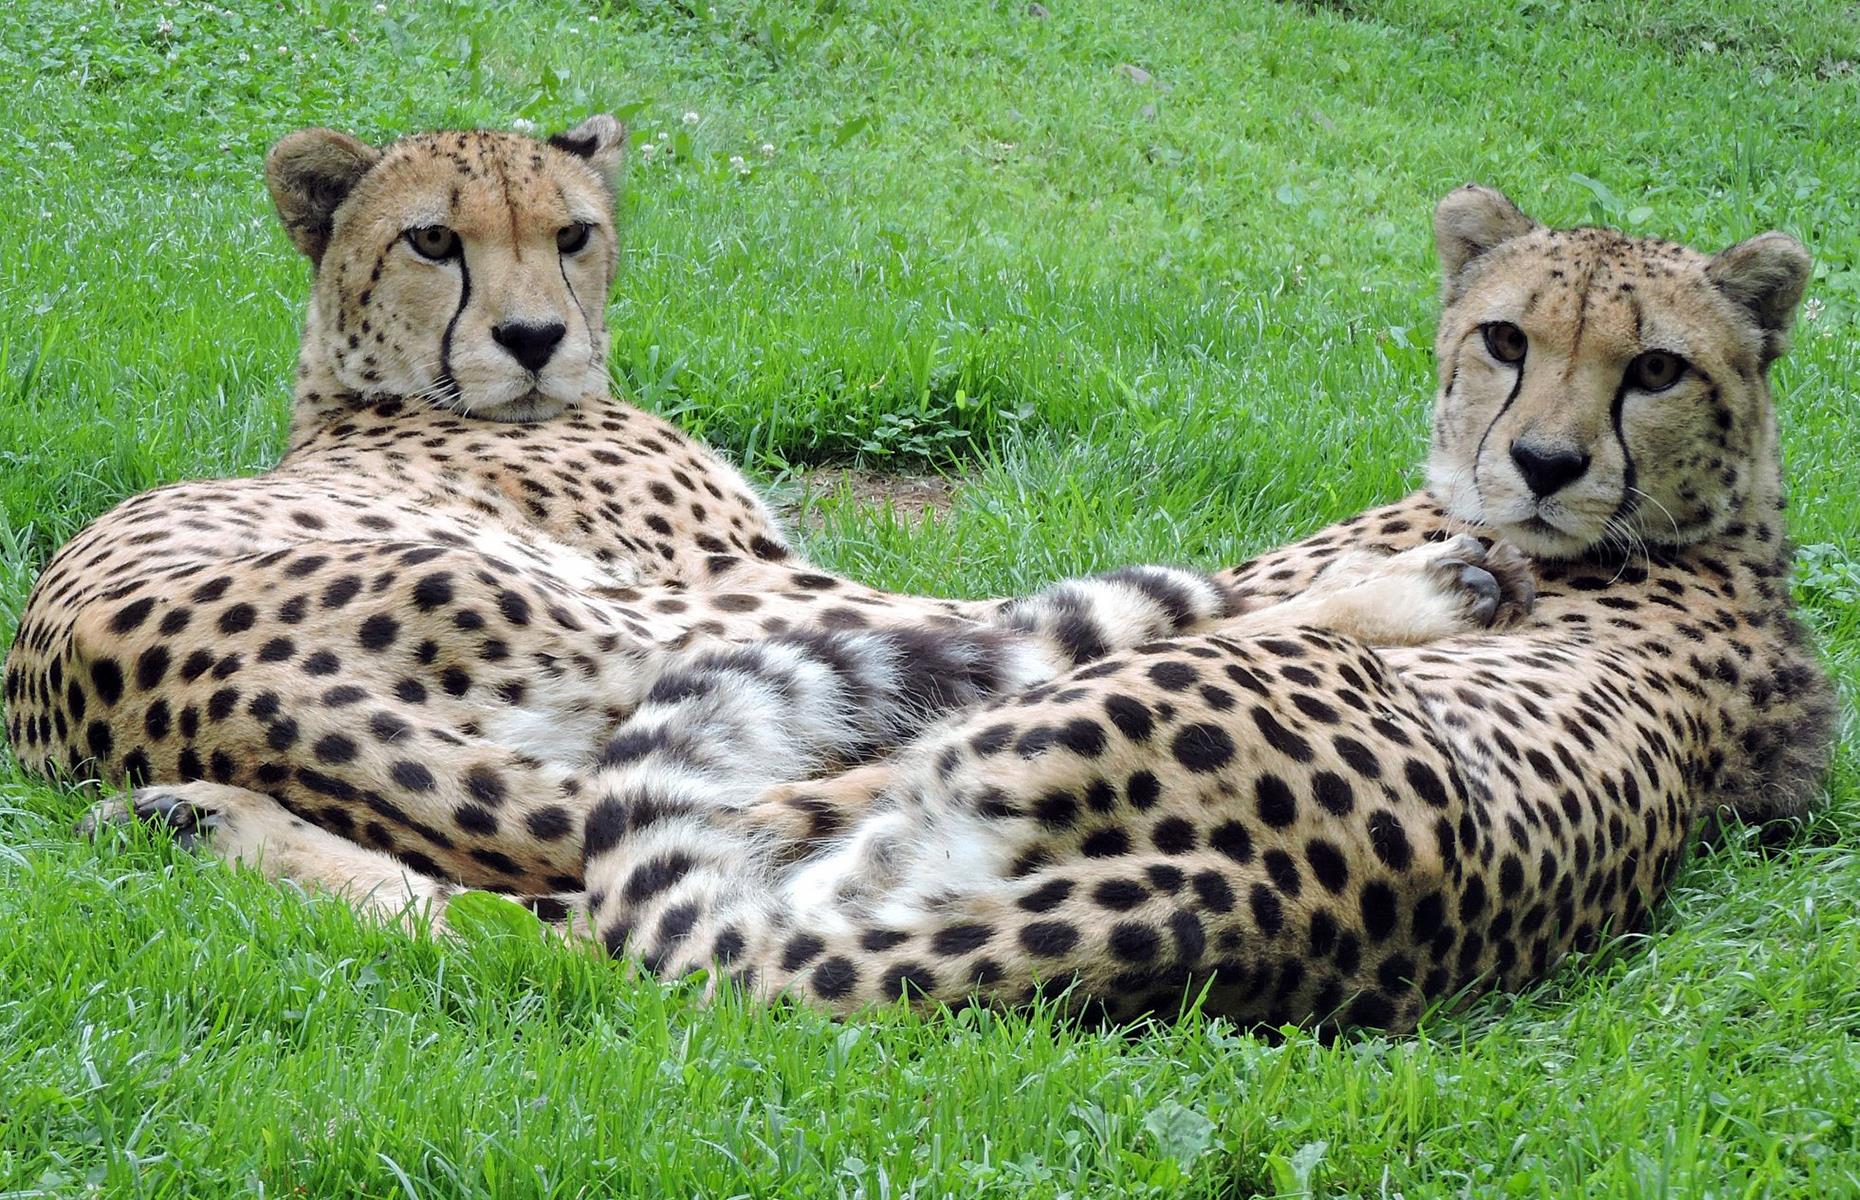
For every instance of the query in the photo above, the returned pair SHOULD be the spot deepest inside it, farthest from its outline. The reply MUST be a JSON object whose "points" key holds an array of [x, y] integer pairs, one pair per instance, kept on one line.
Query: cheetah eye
{"points": [[1655, 371], [1505, 342], [571, 238], [434, 241]]}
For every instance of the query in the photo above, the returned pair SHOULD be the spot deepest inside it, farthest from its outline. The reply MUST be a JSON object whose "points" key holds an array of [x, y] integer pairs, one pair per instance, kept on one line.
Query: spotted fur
{"points": [[1296, 826], [419, 632], [1335, 785]]}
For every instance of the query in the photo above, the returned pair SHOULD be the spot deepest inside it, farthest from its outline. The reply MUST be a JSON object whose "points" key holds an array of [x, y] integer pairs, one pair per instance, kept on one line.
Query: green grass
{"points": [[1183, 317]]}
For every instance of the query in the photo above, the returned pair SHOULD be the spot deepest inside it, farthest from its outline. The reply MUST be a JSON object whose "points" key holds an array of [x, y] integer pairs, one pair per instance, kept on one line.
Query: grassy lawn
{"points": [[1145, 281]]}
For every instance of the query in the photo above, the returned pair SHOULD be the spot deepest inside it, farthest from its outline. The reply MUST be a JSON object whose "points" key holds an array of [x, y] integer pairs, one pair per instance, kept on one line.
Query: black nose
{"points": [[531, 345], [1546, 471]]}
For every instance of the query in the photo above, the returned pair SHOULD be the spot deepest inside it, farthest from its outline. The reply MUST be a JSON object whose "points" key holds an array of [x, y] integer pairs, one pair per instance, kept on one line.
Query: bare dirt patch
{"points": [[911, 497]]}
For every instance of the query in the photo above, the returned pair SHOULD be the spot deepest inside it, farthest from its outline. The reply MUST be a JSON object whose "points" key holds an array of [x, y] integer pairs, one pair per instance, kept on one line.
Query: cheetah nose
{"points": [[531, 345], [1546, 471]]}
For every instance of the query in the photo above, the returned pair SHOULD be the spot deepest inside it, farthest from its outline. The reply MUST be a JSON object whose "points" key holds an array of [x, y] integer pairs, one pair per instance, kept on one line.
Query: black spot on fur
{"points": [[1047, 896], [1389, 839], [1232, 839], [835, 978], [960, 939], [1048, 939], [1203, 748], [1274, 801]]}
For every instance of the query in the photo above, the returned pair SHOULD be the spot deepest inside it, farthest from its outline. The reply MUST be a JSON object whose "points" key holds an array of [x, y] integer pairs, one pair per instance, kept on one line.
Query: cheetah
{"points": [[1291, 825], [394, 662], [1284, 822]]}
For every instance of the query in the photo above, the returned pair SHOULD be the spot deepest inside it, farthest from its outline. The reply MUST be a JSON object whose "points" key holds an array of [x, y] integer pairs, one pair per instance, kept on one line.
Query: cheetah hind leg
{"points": [[252, 829]]}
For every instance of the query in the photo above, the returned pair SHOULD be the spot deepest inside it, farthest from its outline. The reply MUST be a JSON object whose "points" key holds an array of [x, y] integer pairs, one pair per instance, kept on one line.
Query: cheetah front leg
{"points": [[1424, 594], [251, 829], [1432, 591]]}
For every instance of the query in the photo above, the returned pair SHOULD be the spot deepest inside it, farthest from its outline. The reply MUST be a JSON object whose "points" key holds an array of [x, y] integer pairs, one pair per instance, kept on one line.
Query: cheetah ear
{"points": [[309, 174], [1765, 276], [601, 140], [1468, 222]]}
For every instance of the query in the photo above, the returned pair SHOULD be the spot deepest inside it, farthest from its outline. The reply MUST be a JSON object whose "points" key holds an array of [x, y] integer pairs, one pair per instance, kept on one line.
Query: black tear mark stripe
{"points": [[1629, 475], [445, 342], [1517, 385], [561, 262]]}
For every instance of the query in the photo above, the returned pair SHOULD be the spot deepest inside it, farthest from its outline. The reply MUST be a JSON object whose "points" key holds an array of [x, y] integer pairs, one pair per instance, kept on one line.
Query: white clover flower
{"points": [[768, 149], [593, 20], [380, 10], [664, 136], [691, 118], [164, 27], [736, 160], [244, 56], [649, 151], [523, 125], [284, 49], [1812, 310]]}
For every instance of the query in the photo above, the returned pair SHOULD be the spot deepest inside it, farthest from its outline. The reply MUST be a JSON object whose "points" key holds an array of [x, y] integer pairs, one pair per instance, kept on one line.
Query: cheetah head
{"points": [[469, 270], [1599, 389]]}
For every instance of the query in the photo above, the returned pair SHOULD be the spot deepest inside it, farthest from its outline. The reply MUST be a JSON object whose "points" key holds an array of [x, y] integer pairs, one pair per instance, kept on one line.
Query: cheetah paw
{"points": [[1466, 584], [1509, 583], [189, 821], [1441, 589]]}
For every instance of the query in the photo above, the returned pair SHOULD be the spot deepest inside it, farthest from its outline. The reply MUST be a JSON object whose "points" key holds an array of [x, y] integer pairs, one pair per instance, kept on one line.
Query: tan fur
{"points": [[389, 322], [1308, 828], [1353, 777], [468, 584], [419, 630], [1667, 468]]}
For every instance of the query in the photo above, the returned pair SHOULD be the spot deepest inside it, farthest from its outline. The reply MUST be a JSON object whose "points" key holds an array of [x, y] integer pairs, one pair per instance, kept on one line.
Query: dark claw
{"points": [[1484, 593], [189, 823], [1480, 581], [1517, 579]]}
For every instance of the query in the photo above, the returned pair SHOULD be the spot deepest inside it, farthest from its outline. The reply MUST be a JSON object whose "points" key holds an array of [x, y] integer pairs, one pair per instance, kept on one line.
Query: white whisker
{"points": [[1663, 509], [1618, 534]]}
